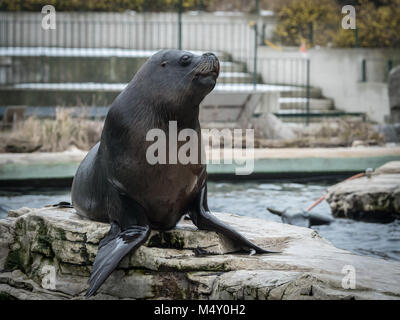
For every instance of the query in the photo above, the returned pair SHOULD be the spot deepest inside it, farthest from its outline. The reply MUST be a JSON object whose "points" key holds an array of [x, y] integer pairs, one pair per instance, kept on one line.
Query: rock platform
{"points": [[47, 253], [374, 199]]}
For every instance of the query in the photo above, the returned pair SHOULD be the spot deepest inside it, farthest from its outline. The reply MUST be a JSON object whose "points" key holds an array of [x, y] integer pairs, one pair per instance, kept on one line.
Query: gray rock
{"points": [[391, 132], [394, 94], [48, 253], [374, 199], [392, 167], [7, 238], [268, 126]]}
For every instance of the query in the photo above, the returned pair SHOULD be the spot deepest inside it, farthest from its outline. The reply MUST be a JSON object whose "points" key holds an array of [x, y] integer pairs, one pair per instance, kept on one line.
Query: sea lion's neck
{"points": [[161, 111], [186, 116], [157, 109]]}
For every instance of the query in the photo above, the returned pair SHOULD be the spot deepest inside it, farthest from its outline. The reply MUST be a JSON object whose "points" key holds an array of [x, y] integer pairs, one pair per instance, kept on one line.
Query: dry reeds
{"points": [[51, 135]]}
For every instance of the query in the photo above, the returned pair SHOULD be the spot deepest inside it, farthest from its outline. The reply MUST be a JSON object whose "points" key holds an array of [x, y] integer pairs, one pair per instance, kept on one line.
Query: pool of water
{"points": [[252, 199]]}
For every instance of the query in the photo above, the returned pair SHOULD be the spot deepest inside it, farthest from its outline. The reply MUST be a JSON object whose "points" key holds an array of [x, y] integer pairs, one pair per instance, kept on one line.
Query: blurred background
{"points": [[324, 101]]}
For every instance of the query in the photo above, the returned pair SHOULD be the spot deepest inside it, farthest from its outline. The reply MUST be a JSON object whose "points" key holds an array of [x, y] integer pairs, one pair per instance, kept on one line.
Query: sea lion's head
{"points": [[178, 77]]}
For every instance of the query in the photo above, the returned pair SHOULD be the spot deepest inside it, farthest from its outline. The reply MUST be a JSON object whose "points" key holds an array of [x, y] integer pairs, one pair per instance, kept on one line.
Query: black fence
{"points": [[377, 69], [89, 57]]}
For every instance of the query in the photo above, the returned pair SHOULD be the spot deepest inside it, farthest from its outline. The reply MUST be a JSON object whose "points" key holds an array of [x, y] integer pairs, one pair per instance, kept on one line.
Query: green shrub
{"points": [[377, 25], [100, 5], [299, 18]]}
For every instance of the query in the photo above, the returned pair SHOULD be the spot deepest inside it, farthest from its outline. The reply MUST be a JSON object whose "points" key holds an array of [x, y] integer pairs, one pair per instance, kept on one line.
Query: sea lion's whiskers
{"points": [[194, 69]]}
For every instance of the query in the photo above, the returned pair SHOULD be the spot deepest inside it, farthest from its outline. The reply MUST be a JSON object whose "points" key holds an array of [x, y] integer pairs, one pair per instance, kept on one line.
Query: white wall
{"points": [[338, 72], [282, 67]]}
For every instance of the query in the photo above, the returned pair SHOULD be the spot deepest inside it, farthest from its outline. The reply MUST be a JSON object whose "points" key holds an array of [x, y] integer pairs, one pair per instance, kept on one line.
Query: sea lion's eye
{"points": [[185, 60], [164, 63]]}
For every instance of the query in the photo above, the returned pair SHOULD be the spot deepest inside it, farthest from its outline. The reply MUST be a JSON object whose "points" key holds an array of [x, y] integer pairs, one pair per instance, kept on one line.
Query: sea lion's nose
{"points": [[213, 57], [209, 54]]}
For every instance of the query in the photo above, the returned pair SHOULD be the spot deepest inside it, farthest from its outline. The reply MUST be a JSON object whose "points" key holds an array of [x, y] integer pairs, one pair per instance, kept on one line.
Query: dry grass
{"points": [[48, 135], [336, 133], [51, 135], [347, 132]]}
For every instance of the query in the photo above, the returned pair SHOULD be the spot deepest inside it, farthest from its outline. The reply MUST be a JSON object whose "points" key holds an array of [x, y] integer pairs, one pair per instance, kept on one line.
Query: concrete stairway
{"points": [[44, 78], [79, 77]]}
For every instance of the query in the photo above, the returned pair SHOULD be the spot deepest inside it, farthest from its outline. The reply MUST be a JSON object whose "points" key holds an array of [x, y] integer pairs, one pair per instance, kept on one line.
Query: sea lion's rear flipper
{"points": [[276, 212], [318, 219], [203, 219], [116, 245]]}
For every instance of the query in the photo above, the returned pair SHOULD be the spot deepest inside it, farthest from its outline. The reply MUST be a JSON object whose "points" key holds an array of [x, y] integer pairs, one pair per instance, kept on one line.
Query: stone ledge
{"points": [[47, 254], [374, 199]]}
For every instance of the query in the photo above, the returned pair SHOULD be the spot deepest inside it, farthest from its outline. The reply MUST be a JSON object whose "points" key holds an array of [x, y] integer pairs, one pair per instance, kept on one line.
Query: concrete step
{"points": [[43, 112], [55, 65], [296, 116], [85, 69], [94, 94], [315, 93], [72, 69], [222, 117], [221, 100], [229, 66], [60, 94], [235, 77], [301, 103], [219, 125], [217, 113]]}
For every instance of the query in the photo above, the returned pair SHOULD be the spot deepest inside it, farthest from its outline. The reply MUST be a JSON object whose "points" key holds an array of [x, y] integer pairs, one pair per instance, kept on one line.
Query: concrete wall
{"points": [[338, 72], [370, 97], [228, 32], [282, 67]]}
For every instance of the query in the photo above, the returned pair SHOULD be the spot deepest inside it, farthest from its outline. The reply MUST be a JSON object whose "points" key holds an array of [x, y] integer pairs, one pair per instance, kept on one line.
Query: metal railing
{"points": [[94, 55], [377, 69]]}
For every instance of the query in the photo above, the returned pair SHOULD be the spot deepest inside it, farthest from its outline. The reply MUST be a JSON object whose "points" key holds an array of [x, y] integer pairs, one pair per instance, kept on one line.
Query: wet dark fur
{"points": [[116, 184]]}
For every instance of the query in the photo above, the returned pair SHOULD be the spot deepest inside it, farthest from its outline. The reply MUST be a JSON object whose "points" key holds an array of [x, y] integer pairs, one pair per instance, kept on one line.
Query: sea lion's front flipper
{"points": [[203, 219], [116, 245]]}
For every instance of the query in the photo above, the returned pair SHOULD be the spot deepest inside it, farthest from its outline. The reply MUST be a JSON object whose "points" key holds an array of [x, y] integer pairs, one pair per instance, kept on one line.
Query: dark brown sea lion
{"points": [[115, 183]]}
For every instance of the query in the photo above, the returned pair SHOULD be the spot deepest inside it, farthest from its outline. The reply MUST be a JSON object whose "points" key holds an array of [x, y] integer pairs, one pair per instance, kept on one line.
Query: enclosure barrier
{"points": [[377, 69], [90, 57]]}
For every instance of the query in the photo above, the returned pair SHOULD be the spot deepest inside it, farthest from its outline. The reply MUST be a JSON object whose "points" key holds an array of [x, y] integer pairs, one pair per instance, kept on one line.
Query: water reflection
{"points": [[252, 198]]}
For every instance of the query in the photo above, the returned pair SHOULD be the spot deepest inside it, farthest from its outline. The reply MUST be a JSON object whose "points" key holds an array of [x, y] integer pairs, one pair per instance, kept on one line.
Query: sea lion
{"points": [[115, 183], [301, 218]]}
